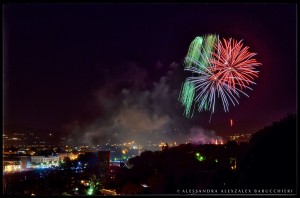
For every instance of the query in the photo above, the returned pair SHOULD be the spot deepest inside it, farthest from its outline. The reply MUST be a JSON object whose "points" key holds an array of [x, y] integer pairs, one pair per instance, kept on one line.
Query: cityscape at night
{"points": [[161, 99]]}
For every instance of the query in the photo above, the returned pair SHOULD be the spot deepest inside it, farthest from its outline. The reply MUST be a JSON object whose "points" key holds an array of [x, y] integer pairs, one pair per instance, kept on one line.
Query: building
{"points": [[25, 162], [104, 162], [11, 165], [38, 159], [240, 137]]}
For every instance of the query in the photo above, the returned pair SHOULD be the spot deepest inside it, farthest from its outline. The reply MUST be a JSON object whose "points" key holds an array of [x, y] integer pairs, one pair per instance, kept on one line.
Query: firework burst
{"points": [[234, 64], [220, 70]]}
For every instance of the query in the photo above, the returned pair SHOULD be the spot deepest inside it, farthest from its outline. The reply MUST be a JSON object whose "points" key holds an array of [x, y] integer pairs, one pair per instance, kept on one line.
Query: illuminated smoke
{"points": [[199, 135]]}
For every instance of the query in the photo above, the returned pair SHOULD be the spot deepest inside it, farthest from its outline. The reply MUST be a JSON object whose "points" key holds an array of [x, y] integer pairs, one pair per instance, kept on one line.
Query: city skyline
{"points": [[90, 69]]}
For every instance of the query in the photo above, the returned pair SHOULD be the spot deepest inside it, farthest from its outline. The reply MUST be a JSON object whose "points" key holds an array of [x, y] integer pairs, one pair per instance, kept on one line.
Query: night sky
{"points": [[101, 69]]}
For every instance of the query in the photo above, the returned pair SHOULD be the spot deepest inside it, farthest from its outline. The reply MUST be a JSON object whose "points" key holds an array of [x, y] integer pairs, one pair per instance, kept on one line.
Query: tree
{"points": [[66, 163]]}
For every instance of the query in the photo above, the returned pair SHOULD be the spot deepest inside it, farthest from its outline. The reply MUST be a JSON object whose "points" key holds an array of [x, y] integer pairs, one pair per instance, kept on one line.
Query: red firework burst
{"points": [[233, 64]]}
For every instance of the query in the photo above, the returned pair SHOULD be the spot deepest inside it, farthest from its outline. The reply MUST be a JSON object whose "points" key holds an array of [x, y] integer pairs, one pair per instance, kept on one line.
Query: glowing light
{"points": [[216, 160], [231, 122], [108, 192], [90, 191], [200, 157], [73, 156], [8, 168], [145, 185], [232, 163], [12, 168], [124, 151]]}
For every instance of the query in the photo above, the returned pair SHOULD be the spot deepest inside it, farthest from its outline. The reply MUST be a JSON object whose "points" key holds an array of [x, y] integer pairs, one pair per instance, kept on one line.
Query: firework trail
{"points": [[187, 97], [220, 70], [199, 52]]}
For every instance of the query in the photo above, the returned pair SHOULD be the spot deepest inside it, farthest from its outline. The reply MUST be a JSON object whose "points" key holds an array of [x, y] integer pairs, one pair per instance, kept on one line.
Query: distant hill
{"points": [[28, 135], [271, 160], [12, 128]]}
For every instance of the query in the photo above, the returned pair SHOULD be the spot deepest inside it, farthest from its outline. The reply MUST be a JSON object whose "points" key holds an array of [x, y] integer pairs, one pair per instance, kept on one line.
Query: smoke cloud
{"points": [[139, 110], [130, 113]]}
